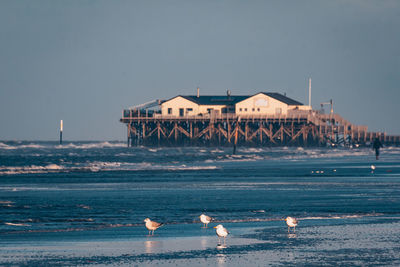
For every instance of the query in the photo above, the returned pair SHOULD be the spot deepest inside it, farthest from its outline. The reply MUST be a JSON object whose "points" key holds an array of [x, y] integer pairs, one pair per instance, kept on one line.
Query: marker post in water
{"points": [[61, 130]]}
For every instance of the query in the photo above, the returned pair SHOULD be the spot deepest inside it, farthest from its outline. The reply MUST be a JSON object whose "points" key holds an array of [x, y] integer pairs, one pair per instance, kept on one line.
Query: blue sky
{"points": [[84, 61]]}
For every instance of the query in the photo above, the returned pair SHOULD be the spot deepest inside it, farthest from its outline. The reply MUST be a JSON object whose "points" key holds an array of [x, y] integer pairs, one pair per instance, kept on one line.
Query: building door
{"points": [[181, 112]]}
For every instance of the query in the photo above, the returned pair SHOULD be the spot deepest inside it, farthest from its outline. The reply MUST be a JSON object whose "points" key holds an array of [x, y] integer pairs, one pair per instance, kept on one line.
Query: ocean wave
{"points": [[98, 166], [240, 158], [30, 169], [336, 217], [125, 166], [91, 145], [319, 154], [6, 202], [252, 150], [10, 147], [52, 145], [16, 224]]}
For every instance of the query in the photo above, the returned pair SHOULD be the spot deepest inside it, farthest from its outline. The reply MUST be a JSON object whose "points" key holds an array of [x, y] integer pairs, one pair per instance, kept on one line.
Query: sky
{"points": [[83, 61]]}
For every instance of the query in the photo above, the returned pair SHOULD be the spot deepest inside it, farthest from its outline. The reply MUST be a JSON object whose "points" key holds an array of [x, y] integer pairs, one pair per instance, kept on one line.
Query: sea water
{"points": [[83, 203]]}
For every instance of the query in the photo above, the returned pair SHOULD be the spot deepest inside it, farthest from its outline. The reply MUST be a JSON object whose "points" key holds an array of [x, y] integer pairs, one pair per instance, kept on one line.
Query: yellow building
{"points": [[268, 103], [258, 104]]}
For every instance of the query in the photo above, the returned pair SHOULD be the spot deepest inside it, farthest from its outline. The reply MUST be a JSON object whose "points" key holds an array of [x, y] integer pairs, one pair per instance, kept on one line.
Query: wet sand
{"points": [[365, 241]]}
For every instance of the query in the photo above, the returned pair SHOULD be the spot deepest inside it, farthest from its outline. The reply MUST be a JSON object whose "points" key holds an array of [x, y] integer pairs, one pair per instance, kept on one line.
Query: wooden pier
{"points": [[307, 128]]}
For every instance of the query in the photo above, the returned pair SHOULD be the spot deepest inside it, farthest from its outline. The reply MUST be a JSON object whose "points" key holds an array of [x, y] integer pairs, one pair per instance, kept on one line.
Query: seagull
{"points": [[205, 219], [221, 232], [291, 222], [151, 226]]}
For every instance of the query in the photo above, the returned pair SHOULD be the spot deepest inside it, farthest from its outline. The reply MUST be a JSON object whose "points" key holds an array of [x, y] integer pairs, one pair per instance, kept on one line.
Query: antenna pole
{"points": [[309, 92], [61, 130]]}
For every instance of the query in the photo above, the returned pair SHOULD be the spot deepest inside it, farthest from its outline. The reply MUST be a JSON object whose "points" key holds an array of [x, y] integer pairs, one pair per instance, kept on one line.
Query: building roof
{"points": [[233, 99], [283, 99], [215, 99]]}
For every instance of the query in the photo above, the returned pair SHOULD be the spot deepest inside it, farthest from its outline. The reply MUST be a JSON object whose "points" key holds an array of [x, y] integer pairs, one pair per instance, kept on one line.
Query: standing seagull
{"points": [[205, 220], [221, 232], [151, 226], [291, 222]]}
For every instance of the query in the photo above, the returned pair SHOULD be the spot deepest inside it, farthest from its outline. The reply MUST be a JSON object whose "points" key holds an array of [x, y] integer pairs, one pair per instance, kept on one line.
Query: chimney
{"points": [[198, 92]]}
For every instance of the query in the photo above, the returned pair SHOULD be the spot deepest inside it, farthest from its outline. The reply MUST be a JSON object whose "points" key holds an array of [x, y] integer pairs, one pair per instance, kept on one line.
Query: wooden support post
{"points": [[176, 132], [292, 129], [320, 137], [219, 134], [236, 137], [229, 132], [246, 131], [271, 133], [128, 134], [158, 133], [305, 135], [135, 136], [196, 132]]}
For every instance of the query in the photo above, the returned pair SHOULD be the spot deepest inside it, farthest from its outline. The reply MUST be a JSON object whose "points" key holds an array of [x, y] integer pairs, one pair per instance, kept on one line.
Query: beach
{"points": [[84, 204]]}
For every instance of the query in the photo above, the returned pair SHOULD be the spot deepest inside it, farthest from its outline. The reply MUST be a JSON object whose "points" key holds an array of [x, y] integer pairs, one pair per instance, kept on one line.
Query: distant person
{"points": [[377, 145]]}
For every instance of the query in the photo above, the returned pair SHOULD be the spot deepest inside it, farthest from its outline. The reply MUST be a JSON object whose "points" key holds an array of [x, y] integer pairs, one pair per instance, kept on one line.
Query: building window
{"points": [[258, 109], [209, 110], [254, 109], [188, 110], [240, 109], [169, 110], [245, 109]]}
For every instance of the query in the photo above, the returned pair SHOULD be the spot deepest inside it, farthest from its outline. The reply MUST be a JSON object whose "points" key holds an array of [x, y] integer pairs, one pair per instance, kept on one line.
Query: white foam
{"points": [[53, 167], [251, 150], [91, 145], [336, 217], [125, 166], [100, 166], [29, 169], [16, 224], [9, 147]]}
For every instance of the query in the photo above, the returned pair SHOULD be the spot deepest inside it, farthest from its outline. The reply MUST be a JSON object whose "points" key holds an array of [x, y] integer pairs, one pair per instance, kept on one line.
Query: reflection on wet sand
{"points": [[203, 242], [221, 246], [291, 235], [221, 259], [152, 246]]}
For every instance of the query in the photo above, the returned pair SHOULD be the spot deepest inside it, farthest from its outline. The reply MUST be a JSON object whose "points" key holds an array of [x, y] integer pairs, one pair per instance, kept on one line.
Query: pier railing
{"points": [[226, 116]]}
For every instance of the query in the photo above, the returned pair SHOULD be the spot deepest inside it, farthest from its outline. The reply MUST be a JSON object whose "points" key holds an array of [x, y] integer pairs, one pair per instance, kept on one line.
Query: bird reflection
{"points": [[292, 235], [221, 259], [203, 242], [152, 246]]}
